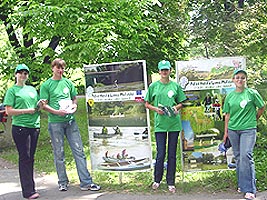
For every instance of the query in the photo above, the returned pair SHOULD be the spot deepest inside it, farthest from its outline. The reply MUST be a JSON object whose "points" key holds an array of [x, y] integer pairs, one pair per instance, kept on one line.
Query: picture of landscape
{"points": [[206, 84], [118, 120]]}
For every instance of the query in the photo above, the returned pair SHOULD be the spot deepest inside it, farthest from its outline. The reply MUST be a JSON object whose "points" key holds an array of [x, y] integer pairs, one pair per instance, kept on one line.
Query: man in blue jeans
{"points": [[60, 94]]}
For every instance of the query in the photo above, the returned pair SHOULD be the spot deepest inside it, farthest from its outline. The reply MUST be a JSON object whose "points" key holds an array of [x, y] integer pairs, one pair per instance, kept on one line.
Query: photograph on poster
{"points": [[206, 83], [114, 77], [118, 121]]}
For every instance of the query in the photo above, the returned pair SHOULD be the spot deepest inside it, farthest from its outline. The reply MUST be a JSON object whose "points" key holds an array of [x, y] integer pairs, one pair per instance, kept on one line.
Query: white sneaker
{"points": [[91, 187], [63, 187], [155, 185]]}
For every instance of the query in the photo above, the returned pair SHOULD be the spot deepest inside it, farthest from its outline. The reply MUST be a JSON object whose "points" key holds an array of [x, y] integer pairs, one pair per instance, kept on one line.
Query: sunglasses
{"points": [[23, 72]]}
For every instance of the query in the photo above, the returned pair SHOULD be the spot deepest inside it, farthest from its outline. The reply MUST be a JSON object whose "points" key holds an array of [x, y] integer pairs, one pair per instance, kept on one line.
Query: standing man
{"points": [[60, 94], [165, 98]]}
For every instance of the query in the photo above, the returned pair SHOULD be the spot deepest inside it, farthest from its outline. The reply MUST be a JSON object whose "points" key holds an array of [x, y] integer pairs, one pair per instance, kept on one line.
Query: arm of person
{"points": [[227, 117], [49, 109], [178, 107], [154, 108], [260, 111], [12, 111]]}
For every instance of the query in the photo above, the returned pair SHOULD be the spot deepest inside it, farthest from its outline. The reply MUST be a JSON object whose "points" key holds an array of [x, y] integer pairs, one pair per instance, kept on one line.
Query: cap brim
{"points": [[239, 70], [164, 68]]}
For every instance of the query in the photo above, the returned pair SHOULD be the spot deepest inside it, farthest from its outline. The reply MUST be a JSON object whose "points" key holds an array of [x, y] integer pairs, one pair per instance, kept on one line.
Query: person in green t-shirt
{"points": [[165, 98], [21, 102], [60, 95], [242, 108]]}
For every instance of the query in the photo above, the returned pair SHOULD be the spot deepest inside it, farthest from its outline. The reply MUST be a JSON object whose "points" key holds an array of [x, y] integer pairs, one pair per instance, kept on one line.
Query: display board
{"points": [[118, 120], [206, 83]]}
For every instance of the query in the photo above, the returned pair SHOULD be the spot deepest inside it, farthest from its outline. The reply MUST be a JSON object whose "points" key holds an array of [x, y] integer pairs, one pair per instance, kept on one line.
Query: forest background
{"points": [[82, 32]]}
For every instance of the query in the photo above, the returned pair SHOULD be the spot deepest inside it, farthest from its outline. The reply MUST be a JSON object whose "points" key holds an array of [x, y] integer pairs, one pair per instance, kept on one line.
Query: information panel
{"points": [[118, 120], [206, 83]]}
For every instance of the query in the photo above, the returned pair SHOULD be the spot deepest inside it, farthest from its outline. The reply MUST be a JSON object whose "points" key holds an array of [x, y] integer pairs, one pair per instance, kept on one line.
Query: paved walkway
{"points": [[47, 187]]}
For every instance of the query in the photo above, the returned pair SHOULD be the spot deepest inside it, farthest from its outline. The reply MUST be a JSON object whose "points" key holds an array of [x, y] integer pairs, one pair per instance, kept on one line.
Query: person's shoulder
{"points": [[47, 81], [12, 87], [9, 90], [66, 80], [230, 94], [154, 83], [174, 83], [251, 90]]}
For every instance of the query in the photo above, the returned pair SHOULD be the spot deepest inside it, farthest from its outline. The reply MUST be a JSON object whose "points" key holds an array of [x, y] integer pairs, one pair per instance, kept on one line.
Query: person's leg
{"points": [[34, 134], [172, 147], [26, 149], [75, 141], [161, 152], [247, 167], [57, 132], [234, 138]]}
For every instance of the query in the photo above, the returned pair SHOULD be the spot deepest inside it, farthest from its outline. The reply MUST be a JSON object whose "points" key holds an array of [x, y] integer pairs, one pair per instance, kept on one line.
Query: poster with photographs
{"points": [[118, 120], [206, 83]]}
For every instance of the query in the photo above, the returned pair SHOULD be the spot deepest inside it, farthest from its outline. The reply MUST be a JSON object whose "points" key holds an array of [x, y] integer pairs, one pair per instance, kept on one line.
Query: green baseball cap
{"points": [[22, 67], [240, 70], [164, 64]]}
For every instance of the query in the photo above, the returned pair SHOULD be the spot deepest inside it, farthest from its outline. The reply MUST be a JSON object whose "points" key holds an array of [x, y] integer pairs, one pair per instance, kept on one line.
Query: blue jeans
{"points": [[161, 138], [70, 130], [26, 142], [243, 142]]}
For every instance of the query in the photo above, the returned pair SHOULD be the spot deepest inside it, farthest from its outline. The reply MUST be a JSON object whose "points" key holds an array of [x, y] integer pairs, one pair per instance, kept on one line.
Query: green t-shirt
{"points": [[242, 109], [54, 91], [169, 94], [23, 97]]}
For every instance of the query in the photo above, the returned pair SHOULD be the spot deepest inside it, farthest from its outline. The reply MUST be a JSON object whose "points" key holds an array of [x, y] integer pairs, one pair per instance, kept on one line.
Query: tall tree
{"points": [[84, 32]]}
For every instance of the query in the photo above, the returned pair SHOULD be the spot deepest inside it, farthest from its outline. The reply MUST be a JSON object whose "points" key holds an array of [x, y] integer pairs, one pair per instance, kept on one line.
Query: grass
{"points": [[118, 181]]}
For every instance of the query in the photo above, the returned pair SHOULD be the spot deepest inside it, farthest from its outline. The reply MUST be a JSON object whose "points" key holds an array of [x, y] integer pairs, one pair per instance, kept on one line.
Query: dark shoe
{"points": [[34, 196], [63, 187], [91, 187]]}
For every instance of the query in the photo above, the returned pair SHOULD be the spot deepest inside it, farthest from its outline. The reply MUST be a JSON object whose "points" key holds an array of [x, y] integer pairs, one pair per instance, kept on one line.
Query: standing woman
{"points": [[164, 97], [242, 108], [20, 102]]}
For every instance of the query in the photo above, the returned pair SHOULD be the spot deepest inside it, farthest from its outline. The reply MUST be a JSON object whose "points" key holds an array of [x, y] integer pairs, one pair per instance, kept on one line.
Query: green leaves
{"points": [[93, 31]]}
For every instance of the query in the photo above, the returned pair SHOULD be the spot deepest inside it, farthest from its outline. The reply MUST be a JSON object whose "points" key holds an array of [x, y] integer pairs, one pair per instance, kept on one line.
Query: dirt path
{"points": [[6, 165], [47, 187]]}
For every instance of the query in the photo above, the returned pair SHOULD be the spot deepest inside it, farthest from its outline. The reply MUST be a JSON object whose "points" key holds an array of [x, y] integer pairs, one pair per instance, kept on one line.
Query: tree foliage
{"points": [[230, 28], [86, 32]]}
